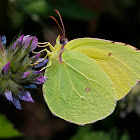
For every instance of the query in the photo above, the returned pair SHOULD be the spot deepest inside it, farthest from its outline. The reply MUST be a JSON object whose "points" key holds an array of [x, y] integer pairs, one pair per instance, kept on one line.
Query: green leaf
{"points": [[6, 128], [86, 133]]}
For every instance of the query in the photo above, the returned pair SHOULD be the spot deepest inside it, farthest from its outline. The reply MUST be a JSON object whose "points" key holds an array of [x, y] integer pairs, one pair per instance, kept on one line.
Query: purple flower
{"points": [[17, 69], [25, 96], [5, 69], [37, 72], [26, 41], [8, 95], [32, 86], [18, 42], [30, 39], [3, 40], [40, 80], [42, 63], [36, 57], [25, 74], [16, 102]]}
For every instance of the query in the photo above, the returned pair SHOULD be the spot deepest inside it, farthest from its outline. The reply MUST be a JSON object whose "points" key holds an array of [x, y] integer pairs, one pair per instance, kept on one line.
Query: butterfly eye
{"points": [[63, 41]]}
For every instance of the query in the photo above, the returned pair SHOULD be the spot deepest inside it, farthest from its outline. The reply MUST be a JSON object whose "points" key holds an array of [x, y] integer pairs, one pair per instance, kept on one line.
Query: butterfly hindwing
{"points": [[78, 90]]}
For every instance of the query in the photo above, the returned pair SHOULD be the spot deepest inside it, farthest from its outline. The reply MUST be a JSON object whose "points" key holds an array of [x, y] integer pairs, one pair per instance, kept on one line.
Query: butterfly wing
{"points": [[78, 90], [119, 61]]}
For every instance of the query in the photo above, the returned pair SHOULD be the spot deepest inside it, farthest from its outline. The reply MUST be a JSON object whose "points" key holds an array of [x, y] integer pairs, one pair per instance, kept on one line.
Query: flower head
{"points": [[17, 73]]}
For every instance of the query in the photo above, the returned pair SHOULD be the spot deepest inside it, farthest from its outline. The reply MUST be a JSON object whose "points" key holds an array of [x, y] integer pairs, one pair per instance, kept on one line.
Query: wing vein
{"points": [[88, 78]]}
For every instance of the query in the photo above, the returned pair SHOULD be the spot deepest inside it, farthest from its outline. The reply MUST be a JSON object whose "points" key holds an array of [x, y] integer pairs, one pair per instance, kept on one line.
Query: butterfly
{"points": [[87, 76]]}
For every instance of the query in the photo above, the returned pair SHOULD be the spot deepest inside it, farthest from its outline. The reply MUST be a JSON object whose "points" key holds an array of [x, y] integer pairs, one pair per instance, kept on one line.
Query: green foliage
{"points": [[39, 7], [15, 16], [19, 10], [45, 8], [127, 3], [85, 133], [6, 128], [131, 103], [71, 9]]}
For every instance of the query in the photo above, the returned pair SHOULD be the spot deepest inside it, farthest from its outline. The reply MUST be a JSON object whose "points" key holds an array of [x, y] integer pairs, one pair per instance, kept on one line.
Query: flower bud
{"points": [[17, 73]]}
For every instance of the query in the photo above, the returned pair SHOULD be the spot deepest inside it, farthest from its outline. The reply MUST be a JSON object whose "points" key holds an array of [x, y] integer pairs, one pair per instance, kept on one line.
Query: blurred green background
{"points": [[117, 20]]}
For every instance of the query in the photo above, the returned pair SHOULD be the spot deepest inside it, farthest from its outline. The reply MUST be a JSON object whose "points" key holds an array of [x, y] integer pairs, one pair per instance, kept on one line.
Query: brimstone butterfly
{"points": [[87, 76]]}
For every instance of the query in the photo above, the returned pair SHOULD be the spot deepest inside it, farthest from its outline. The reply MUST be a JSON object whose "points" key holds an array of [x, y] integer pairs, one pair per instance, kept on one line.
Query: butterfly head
{"points": [[62, 39]]}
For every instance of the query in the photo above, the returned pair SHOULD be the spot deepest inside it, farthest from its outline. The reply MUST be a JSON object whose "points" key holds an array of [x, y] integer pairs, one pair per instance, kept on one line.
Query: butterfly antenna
{"points": [[61, 21], [57, 23]]}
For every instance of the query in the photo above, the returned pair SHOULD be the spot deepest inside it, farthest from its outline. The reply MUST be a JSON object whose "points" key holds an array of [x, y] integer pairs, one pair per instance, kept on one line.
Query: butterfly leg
{"points": [[45, 44], [44, 50], [48, 65], [43, 58]]}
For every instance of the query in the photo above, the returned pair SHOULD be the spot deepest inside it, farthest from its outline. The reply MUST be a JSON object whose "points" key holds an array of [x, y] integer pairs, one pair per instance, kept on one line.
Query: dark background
{"points": [[117, 20]]}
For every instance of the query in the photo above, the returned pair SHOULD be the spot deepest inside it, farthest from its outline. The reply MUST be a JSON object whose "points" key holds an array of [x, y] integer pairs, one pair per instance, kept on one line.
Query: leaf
{"points": [[78, 90], [120, 62], [86, 133], [6, 129]]}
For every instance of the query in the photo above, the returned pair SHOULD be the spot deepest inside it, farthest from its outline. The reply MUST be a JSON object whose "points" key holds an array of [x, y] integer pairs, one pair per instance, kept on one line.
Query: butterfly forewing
{"points": [[119, 61]]}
